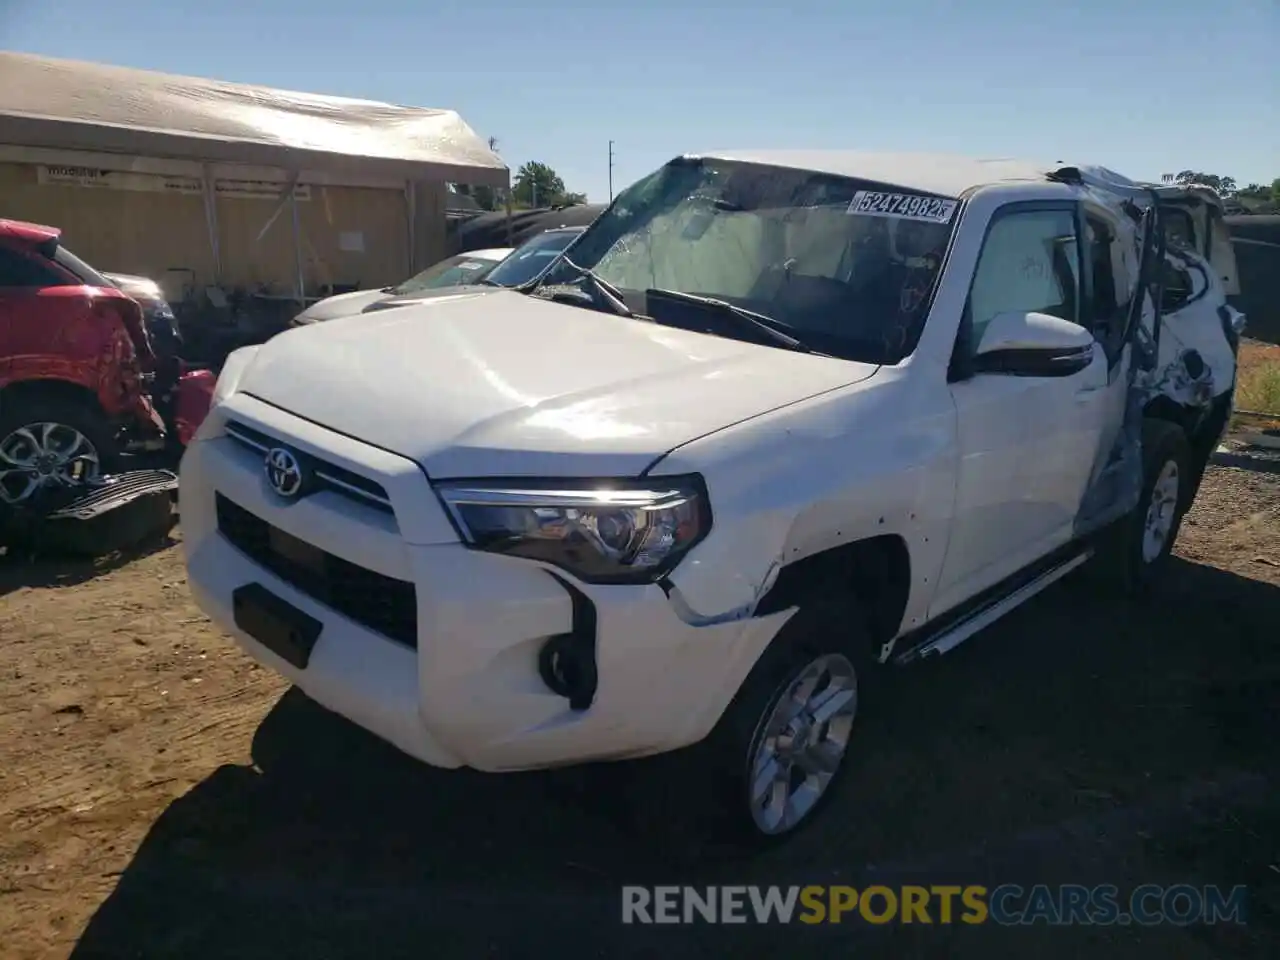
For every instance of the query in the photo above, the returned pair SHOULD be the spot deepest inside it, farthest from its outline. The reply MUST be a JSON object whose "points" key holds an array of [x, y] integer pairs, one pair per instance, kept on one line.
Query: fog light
{"points": [[567, 661], [567, 665]]}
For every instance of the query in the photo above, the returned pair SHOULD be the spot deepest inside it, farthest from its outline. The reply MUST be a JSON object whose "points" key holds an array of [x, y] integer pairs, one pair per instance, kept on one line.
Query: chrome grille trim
{"points": [[330, 476]]}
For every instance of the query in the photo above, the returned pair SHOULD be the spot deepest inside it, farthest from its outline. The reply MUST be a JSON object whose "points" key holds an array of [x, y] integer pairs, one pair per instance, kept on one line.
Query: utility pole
{"points": [[611, 171]]}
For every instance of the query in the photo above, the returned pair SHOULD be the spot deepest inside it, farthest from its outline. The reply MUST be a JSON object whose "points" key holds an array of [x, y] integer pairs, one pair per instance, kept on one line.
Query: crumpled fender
{"points": [[103, 375], [837, 469]]}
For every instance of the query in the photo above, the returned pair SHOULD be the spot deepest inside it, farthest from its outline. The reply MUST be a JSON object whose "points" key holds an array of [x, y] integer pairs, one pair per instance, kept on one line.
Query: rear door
{"points": [[1193, 220], [1222, 255]]}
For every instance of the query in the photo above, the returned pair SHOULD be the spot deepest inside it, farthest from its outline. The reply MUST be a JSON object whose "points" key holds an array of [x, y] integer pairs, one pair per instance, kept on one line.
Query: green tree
{"points": [[537, 185], [1260, 197], [1226, 186]]}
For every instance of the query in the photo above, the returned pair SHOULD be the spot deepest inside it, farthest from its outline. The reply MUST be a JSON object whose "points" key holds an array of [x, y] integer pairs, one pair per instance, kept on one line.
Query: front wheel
{"points": [[800, 742], [781, 748], [50, 442]]}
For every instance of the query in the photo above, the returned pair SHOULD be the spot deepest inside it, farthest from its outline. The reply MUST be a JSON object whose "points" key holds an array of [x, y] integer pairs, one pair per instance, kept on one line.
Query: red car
{"points": [[79, 380]]}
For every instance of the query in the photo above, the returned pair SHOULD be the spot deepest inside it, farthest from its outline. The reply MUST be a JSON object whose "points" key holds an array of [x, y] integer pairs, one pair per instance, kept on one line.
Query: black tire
{"points": [[1129, 562], [33, 406], [723, 760]]}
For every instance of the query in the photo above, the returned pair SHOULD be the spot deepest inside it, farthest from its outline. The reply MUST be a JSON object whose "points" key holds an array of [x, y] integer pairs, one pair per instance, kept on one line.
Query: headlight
{"points": [[601, 532], [146, 289]]}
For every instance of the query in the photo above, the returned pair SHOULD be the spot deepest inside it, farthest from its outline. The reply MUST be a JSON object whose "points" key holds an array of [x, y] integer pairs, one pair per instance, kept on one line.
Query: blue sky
{"points": [[1140, 86]]}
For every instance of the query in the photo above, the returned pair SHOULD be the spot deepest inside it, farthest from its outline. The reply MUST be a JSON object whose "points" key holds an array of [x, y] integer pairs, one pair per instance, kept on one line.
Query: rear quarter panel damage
{"points": [[1195, 325]]}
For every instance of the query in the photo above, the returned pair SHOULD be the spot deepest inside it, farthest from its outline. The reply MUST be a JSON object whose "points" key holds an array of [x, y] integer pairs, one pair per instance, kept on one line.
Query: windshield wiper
{"points": [[608, 292], [756, 321]]}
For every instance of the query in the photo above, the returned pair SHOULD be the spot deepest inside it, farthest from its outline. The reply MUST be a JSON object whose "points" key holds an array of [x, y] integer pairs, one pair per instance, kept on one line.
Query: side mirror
{"points": [[1025, 344]]}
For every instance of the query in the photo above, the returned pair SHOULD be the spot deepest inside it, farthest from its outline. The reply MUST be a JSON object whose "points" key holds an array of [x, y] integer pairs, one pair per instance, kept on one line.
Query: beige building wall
{"points": [[350, 235], [431, 236], [114, 230]]}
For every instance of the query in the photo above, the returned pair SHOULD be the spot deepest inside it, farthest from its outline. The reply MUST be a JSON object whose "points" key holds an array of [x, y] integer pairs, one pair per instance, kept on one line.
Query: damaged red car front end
{"points": [[81, 386]]}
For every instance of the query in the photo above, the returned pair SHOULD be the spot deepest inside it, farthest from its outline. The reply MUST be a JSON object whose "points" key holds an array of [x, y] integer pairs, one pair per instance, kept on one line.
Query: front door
{"points": [[1027, 444]]}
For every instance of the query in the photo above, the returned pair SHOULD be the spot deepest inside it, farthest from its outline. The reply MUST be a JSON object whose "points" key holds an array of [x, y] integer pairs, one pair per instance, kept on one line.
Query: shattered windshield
{"points": [[846, 267]]}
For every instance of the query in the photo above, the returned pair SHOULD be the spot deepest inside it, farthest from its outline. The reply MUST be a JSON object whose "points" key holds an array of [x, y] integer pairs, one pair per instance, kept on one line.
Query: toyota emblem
{"points": [[284, 472]]}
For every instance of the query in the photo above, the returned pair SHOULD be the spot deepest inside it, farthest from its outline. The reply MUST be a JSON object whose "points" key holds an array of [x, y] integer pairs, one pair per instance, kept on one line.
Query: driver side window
{"points": [[1030, 261]]}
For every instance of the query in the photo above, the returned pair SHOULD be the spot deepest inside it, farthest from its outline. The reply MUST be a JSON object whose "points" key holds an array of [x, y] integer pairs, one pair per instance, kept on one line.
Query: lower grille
{"points": [[381, 603]]}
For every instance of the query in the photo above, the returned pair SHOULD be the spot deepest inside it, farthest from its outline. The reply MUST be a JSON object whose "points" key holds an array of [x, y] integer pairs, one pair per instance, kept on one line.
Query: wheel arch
{"points": [[1203, 428], [1170, 411], [874, 574], [29, 390]]}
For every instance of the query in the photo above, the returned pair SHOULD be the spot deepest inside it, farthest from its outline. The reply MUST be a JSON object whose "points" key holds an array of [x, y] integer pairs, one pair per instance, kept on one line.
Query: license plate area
{"points": [[278, 625]]}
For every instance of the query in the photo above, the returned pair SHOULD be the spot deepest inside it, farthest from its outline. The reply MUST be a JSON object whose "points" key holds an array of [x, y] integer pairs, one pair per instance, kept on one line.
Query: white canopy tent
{"points": [[61, 105]]}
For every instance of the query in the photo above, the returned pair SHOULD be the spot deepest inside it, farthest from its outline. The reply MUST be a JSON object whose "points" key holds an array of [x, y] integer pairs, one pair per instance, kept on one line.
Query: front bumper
{"points": [[471, 693]]}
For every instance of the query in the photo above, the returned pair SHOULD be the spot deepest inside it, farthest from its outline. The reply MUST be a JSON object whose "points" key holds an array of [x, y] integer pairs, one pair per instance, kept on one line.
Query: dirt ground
{"points": [[162, 796]]}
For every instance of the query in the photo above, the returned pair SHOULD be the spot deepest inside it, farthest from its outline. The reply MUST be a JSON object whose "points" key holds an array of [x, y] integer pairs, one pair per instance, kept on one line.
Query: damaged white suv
{"points": [[780, 420]]}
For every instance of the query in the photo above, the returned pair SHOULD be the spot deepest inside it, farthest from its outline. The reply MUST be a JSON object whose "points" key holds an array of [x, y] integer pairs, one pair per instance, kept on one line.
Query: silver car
{"points": [[467, 274], [439, 279]]}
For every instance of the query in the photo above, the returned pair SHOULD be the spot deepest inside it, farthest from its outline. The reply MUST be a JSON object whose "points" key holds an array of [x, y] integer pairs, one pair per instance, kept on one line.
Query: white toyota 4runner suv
{"points": [[776, 421]]}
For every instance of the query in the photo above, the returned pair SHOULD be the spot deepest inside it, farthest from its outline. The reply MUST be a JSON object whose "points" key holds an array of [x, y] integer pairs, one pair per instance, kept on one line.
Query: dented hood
{"points": [[367, 301], [508, 385], [340, 305]]}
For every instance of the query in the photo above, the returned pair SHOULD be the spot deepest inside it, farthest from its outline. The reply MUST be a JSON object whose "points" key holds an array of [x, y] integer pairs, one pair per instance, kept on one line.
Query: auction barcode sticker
{"points": [[903, 206]]}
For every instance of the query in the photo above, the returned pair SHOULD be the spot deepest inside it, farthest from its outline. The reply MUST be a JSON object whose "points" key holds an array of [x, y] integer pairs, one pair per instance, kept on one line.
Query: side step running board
{"points": [[952, 636]]}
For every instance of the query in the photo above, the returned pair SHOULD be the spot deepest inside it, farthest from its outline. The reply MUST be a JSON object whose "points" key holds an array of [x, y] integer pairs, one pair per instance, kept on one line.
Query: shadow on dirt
{"points": [[1258, 463], [20, 569], [1119, 726]]}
